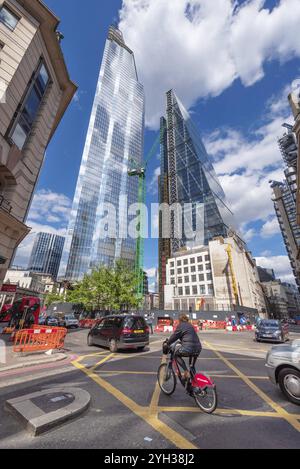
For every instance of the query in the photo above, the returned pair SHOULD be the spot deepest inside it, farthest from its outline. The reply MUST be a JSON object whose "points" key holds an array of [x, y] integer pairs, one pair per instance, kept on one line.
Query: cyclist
{"points": [[190, 344]]}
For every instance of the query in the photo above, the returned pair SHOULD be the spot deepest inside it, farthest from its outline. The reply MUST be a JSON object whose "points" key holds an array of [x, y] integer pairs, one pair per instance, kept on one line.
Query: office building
{"points": [[114, 144], [46, 254], [219, 276], [188, 183], [35, 91]]}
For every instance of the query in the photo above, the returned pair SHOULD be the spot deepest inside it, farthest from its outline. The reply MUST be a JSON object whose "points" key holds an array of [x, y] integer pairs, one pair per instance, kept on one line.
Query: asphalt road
{"points": [[128, 411]]}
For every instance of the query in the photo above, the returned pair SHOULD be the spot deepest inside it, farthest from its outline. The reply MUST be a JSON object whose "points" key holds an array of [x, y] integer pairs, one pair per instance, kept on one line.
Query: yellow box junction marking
{"points": [[290, 418], [143, 412]]}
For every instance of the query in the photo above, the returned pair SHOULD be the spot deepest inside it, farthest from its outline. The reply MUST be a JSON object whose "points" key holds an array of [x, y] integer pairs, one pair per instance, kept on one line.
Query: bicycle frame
{"points": [[198, 380]]}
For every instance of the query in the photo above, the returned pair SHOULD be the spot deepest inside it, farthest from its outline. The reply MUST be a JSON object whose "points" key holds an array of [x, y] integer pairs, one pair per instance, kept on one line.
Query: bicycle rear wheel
{"points": [[166, 379], [206, 399]]}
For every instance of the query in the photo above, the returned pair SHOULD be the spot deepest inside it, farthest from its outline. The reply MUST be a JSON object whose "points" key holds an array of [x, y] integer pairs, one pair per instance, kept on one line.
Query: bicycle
{"points": [[198, 386]]}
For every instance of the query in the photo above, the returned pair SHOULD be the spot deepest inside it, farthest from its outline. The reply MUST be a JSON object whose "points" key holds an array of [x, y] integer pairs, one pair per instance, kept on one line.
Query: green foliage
{"points": [[53, 297], [109, 288]]}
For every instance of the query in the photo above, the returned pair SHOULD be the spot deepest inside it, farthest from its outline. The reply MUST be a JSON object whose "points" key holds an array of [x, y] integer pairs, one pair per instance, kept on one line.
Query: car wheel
{"points": [[289, 382], [90, 340], [113, 347]]}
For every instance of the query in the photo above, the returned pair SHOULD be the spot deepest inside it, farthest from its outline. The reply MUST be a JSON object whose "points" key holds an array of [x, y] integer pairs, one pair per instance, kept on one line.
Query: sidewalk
{"points": [[12, 361]]}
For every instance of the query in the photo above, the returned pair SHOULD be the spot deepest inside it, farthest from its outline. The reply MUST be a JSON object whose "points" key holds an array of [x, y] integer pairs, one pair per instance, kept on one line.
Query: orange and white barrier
{"points": [[39, 339]]}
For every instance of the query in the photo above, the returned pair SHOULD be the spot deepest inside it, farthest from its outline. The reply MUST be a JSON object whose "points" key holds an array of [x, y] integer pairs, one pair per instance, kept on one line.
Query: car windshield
{"points": [[135, 323], [271, 324]]}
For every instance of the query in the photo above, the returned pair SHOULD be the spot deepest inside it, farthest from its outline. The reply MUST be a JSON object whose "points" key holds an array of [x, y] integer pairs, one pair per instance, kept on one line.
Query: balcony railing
{"points": [[5, 205]]}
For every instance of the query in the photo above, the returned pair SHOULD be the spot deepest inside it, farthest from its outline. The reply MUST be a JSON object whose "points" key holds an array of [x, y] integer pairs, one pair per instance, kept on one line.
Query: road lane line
{"points": [[284, 414], [93, 368], [250, 413], [156, 394], [143, 412]]}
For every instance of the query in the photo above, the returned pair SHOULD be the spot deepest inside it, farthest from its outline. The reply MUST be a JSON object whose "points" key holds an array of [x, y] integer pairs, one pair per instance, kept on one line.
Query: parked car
{"points": [[68, 320], [272, 330], [283, 366], [120, 332], [51, 321]]}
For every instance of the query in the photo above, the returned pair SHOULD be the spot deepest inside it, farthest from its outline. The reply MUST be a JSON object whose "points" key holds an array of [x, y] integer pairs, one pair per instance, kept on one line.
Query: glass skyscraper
{"points": [[188, 177], [46, 254], [114, 143]]}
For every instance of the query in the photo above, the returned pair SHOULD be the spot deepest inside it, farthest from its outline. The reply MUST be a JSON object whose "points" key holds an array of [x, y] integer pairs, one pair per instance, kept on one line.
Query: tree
{"points": [[124, 285], [53, 297], [109, 288]]}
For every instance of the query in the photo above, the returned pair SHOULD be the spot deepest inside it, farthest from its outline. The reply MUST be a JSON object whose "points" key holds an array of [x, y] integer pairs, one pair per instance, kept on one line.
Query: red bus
{"points": [[27, 309]]}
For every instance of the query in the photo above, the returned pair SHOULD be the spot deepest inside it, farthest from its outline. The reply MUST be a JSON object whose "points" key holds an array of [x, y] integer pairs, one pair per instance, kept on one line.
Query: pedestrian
{"points": [[149, 320]]}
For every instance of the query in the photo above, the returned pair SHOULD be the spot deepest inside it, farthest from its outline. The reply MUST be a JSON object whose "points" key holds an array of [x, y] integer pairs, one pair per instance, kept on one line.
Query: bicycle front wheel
{"points": [[166, 379], [206, 399]]}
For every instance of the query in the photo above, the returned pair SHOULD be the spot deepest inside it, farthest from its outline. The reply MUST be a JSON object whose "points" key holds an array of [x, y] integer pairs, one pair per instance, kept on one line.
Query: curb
{"points": [[43, 361], [36, 420]]}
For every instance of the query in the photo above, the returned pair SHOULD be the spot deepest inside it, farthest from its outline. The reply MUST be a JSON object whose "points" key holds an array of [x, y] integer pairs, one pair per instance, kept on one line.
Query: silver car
{"points": [[283, 366], [69, 320]]}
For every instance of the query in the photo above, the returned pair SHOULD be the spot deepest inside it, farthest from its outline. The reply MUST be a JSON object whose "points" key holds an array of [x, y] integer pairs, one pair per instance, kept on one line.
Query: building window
{"points": [[179, 271], [195, 290], [185, 262], [208, 266], [210, 289], [178, 262], [8, 18], [200, 268], [207, 258], [199, 259], [202, 290], [187, 291], [208, 276], [192, 260], [179, 279], [186, 279], [186, 270], [27, 115], [194, 278], [193, 268], [172, 281], [172, 264], [180, 291], [172, 272], [201, 278]]}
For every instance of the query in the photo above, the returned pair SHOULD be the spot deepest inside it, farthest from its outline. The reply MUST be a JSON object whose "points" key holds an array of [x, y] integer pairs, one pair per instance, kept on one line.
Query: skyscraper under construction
{"points": [[284, 199]]}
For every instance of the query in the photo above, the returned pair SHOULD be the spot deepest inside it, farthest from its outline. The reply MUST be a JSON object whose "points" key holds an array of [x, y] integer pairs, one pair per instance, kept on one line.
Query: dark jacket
{"points": [[187, 336]]}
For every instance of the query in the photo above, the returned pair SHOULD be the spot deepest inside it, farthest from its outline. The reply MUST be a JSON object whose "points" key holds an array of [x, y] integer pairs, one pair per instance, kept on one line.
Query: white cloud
{"points": [[200, 47], [151, 272], [49, 213], [247, 235], [270, 228], [153, 185], [51, 207], [246, 163], [280, 265]]}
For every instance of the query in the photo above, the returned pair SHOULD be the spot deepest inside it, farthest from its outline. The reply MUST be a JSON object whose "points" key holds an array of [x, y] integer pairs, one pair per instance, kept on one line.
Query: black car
{"points": [[120, 332], [272, 330]]}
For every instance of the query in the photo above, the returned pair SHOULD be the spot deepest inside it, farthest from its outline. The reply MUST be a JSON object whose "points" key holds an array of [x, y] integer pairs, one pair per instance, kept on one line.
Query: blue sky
{"points": [[232, 66]]}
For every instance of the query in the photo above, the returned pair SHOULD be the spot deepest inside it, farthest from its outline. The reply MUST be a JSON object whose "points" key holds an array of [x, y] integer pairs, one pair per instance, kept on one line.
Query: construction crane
{"points": [[233, 278], [141, 172]]}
